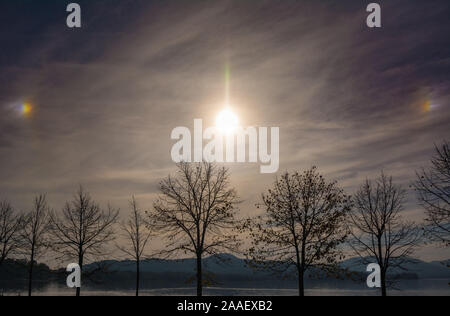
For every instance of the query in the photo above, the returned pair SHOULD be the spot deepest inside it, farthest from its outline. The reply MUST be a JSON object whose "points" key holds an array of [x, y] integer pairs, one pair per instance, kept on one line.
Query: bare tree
{"points": [[10, 225], [195, 213], [83, 229], [302, 225], [137, 233], [377, 229], [433, 188], [34, 237]]}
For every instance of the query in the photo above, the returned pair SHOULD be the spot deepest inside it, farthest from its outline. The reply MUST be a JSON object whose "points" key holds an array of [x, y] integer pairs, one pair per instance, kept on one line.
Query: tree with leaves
{"points": [[195, 213], [83, 229], [34, 234], [10, 226], [378, 231], [433, 189], [302, 225], [137, 234]]}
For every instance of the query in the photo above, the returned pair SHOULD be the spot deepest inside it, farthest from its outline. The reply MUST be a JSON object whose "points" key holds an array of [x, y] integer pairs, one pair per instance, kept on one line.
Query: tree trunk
{"points": [[381, 263], [199, 275], [301, 265], [137, 277], [80, 263], [301, 282], [383, 283], [30, 273], [3, 256]]}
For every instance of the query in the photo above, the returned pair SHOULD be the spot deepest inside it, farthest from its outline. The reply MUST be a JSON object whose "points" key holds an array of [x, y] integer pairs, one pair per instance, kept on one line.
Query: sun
{"points": [[227, 121]]}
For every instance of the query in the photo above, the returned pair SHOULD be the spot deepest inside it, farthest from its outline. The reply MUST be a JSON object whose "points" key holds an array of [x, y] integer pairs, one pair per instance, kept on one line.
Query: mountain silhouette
{"points": [[227, 264]]}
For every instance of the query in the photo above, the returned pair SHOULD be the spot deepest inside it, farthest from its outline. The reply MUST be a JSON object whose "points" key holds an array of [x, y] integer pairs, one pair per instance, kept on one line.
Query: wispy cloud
{"points": [[347, 98]]}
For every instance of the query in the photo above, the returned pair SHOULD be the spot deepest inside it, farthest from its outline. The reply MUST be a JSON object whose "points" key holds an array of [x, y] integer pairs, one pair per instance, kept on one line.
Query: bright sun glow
{"points": [[227, 121]]}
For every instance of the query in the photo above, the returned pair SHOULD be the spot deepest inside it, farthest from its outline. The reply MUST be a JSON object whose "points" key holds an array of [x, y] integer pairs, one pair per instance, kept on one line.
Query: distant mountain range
{"points": [[222, 270], [226, 264], [423, 270]]}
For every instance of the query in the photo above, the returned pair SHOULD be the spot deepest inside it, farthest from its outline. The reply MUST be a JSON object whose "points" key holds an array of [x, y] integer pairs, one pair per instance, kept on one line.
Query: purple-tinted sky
{"points": [[349, 99]]}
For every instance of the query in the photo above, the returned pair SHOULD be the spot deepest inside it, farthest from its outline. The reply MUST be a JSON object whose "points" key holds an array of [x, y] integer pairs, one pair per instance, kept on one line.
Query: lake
{"points": [[423, 287]]}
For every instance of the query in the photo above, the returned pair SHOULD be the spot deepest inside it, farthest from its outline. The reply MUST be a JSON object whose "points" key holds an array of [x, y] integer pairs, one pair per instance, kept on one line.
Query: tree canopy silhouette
{"points": [[433, 188], [302, 225], [83, 229], [195, 213], [10, 226], [378, 231], [34, 234], [137, 234]]}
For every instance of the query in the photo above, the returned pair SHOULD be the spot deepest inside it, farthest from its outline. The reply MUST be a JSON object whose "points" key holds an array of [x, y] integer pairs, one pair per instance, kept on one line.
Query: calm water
{"points": [[410, 288]]}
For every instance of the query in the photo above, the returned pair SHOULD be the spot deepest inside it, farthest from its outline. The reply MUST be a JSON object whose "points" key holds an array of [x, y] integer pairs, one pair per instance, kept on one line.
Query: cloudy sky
{"points": [[104, 99]]}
